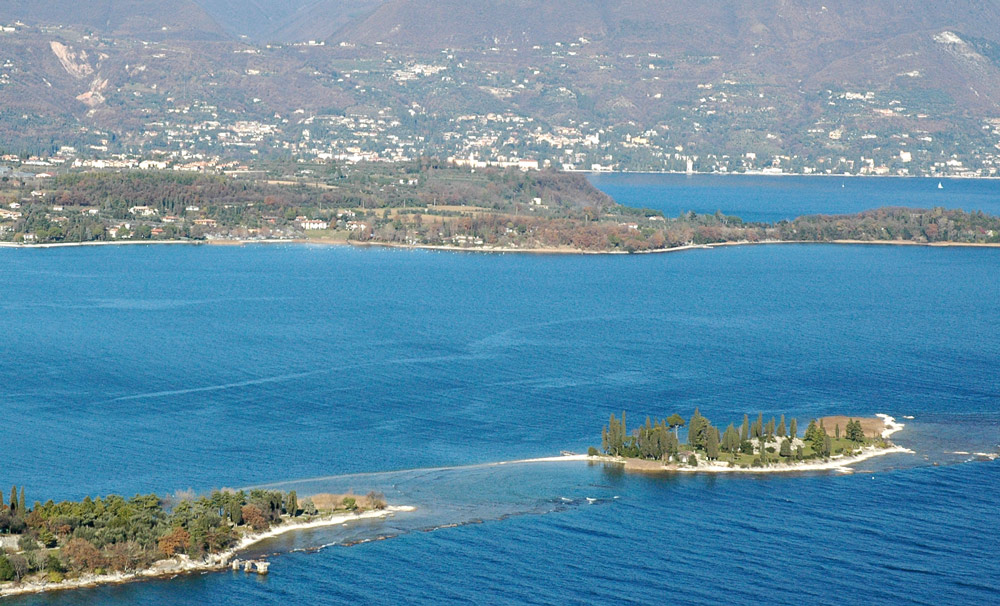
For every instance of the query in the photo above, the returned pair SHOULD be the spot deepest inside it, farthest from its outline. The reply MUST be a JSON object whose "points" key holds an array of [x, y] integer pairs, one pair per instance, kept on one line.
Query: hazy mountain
{"points": [[145, 18], [734, 27], [287, 21]]}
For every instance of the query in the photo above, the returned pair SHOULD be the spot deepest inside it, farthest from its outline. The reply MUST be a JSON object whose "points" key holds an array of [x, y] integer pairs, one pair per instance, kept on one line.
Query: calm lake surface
{"points": [[137, 369], [772, 199]]}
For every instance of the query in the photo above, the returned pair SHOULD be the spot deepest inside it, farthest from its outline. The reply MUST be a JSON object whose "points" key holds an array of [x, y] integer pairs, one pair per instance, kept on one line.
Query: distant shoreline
{"points": [[763, 174], [487, 249]]}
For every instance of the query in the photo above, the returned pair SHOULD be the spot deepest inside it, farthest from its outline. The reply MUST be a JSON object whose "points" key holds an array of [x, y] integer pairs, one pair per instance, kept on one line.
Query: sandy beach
{"points": [[182, 564]]}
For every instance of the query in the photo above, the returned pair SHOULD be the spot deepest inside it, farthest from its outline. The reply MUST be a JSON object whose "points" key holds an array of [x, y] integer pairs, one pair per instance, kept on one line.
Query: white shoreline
{"points": [[182, 564]]}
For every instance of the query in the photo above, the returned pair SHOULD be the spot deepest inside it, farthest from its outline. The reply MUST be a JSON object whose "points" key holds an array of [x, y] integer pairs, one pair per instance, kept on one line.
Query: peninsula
{"points": [[55, 546], [425, 204], [758, 446]]}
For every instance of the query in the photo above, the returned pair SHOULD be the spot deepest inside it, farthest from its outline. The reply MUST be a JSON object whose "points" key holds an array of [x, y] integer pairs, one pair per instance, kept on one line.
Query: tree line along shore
{"points": [[422, 204], [55, 543], [754, 444]]}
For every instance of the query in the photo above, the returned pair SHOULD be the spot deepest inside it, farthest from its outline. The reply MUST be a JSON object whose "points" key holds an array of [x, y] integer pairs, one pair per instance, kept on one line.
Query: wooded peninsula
{"points": [[115, 539], [756, 445], [420, 204]]}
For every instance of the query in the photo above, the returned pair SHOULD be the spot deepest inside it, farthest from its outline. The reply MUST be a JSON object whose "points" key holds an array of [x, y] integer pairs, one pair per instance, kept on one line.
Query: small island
{"points": [[756, 446], [74, 544]]}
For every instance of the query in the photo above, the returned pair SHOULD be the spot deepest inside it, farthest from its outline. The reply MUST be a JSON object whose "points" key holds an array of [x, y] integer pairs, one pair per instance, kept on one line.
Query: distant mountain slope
{"points": [[727, 25], [289, 20], [815, 43], [157, 18]]}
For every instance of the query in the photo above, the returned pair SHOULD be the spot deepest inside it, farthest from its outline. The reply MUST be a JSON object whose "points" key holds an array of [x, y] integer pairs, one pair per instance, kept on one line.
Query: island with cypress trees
{"points": [[757, 445], [114, 539]]}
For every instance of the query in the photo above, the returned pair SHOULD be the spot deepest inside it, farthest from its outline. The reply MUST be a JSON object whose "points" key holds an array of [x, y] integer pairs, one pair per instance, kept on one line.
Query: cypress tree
{"points": [[292, 504], [745, 429], [712, 443], [730, 439], [770, 428], [836, 431], [794, 429], [781, 427], [13, 498], [20, 502], [827, 446]]}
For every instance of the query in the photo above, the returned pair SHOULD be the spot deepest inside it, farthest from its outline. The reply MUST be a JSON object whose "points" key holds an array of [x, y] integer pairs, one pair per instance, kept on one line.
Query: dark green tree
{"points": [[697, 430], [781, 428], [786, 448], [20, 502], [854, 431], [745, 429], [730, 439], [712, 443], [793, 429], [613, 436], [6, 569], [674, 422]]}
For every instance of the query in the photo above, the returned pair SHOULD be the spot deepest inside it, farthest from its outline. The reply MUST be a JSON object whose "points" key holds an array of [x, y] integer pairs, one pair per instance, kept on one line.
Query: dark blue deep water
{"points": [[135, 369]]}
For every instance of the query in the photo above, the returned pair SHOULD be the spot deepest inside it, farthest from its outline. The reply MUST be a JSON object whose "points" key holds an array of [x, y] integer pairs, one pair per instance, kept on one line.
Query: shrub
{"points": [[593, 452], [55, 577], [54, 564], [349, 503], [6, 570], [693, 461]]}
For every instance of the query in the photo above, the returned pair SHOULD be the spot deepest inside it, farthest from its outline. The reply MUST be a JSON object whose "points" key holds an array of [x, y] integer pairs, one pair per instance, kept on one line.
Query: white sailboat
{"points": [[940, 185]]}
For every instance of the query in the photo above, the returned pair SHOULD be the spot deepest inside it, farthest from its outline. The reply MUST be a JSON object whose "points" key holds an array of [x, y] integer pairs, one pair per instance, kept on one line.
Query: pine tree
{"points": [[675, 421], [793, 430]]}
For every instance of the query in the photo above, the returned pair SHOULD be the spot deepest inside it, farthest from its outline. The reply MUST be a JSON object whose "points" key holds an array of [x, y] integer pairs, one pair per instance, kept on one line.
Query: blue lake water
{"points": [[135, 369], [771, 199]]}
